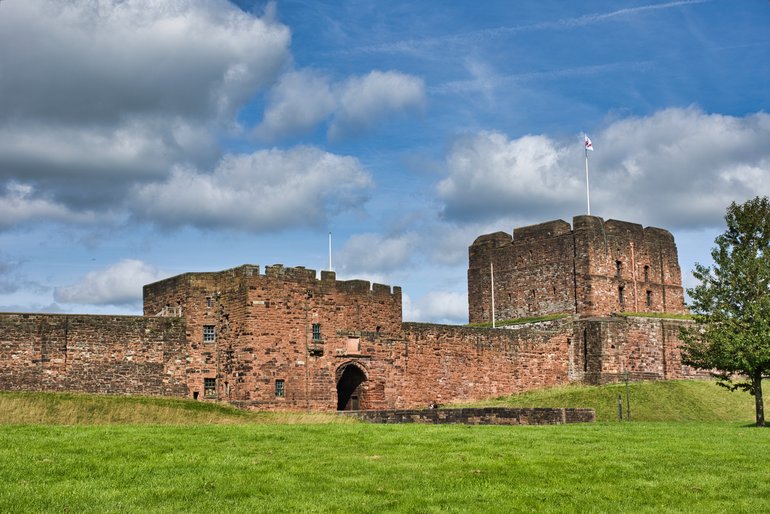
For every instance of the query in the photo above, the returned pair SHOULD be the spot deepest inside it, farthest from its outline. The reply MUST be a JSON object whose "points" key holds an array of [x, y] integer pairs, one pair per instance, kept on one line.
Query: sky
{"points": [[141, 139]]}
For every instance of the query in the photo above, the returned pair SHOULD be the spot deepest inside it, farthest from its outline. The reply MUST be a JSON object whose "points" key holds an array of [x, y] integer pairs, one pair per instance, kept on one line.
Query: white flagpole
{"points": [[588, 194], [492, 276], [587, 145], [330, 251]]}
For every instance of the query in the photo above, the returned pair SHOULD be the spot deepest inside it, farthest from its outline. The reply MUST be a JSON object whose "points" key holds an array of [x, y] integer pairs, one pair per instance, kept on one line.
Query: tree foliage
{"points": [[731, 305]]}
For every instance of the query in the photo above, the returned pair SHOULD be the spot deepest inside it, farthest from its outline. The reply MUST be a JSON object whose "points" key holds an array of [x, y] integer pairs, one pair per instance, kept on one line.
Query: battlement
{"points": [[541, 231], [296, 274], [592, 268]]}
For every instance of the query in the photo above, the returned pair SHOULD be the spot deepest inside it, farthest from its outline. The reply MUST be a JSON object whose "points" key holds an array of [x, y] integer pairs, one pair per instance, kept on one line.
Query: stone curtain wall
{"points": [[93, 354], [450, 364], [552, 268], [646, 348]]}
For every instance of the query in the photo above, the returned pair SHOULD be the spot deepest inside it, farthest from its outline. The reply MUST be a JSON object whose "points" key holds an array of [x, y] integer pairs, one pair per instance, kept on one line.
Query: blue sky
{"points": [[142, 139]]}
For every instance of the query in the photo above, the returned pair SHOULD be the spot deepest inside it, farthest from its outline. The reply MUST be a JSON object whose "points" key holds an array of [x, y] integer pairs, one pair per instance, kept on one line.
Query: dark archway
{"points": [[350, 387]]}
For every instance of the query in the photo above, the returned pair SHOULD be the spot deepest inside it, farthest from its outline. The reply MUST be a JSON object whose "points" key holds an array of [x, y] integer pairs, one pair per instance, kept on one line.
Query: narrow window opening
{"points": [[618, 268], [646, 273], [280, 390], [209, 302], [649, 299], [209, 333], [621, 298], [316, 331], [209, 387]]}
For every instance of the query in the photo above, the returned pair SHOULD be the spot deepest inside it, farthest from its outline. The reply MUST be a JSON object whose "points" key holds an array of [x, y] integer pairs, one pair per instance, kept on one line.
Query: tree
{"points": [[731, 305]]}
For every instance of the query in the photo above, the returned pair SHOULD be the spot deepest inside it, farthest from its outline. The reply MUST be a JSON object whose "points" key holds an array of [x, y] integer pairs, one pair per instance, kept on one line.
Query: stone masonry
{"points": [[594, 268], [289, 339]]}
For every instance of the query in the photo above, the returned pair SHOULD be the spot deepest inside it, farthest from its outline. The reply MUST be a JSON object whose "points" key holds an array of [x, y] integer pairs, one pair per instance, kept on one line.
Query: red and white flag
{"points": [[589, 144]]}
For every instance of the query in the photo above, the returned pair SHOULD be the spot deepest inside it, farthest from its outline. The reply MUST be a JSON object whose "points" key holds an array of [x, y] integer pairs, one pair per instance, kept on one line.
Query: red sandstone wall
{"points": [[551, 268], [646, 348], [264, 332], [601, 245], [95, 354], [452, 364], [533, 273]]}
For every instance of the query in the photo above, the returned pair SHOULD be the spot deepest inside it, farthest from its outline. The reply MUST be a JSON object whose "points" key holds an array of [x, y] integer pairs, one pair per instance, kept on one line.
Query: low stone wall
{"points": [[478, 416]]}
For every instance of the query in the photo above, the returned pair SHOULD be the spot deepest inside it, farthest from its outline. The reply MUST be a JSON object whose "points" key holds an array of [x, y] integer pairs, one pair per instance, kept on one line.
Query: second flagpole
{"points": [[588, 146], [588, 194]]}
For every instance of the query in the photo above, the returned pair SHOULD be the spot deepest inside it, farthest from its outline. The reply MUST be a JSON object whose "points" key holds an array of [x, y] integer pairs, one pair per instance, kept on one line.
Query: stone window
{"points": [[209, 334], [280, 390], [209, 387], [618, 268], [316, 331], [621, 298], [209, 302], [649, 299], [647, 274]]}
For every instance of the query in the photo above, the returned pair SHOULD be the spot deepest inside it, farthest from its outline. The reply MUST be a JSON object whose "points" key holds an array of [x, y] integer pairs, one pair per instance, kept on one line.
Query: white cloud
{"points": [[265, 190], [19, 205], [490, 175], [298, 102], [678, 168], [376, 253], [302, 99], [119, 284], [438, 307], [97, 60], [366, 100], [98, 96]]}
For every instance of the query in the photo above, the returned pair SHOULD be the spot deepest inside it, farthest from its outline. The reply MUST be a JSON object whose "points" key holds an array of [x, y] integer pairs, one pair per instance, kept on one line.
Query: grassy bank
{"points": [[683, 400], [605, 467], [678, 400], [85, 409]]}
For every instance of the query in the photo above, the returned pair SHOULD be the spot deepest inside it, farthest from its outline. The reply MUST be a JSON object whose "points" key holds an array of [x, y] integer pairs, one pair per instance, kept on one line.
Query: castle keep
{"points": [[287, 338], [594, 268]]}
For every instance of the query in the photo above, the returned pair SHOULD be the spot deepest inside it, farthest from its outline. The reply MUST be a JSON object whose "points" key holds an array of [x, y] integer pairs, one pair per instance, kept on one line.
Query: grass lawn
{"points": [[355, 467], [665, 400]]}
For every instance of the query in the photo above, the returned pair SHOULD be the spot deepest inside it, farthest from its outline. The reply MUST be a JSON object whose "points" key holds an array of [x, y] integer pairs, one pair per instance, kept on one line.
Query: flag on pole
{"points": [[589, 145]]}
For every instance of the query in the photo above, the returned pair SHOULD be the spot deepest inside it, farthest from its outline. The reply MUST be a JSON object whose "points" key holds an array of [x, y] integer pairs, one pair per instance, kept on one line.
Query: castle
{"points": [[288, 339]]}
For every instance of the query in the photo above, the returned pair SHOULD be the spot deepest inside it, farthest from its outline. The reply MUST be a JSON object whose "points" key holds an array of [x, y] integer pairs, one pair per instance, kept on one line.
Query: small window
{"points": [[649, 299], [280, 390], [209, 387], [209, 302], [618, 268], [209, 334], [647, 274], [316, 331], [621, 298]]}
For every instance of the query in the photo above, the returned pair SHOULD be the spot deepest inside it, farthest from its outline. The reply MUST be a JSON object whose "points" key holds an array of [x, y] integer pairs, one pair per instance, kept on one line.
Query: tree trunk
{"points": [[757, 379]]}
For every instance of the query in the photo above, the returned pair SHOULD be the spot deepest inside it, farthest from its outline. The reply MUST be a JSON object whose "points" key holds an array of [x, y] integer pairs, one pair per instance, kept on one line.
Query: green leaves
{"points": [[732, 302]]}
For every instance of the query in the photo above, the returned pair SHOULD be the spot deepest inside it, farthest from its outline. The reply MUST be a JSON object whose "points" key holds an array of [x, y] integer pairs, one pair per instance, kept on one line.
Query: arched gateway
{"points": [[351, 386]]}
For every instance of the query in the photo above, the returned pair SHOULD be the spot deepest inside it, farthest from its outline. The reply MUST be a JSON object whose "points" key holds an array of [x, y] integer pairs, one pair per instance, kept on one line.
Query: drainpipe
{"points": [[492, 277], [633, 277], [307, 359]]}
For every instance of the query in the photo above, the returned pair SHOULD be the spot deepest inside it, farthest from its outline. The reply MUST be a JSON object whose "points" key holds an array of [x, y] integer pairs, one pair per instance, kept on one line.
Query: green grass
{"points": [[677, 400], [604, 467], [84, 453], [88, 409]]}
